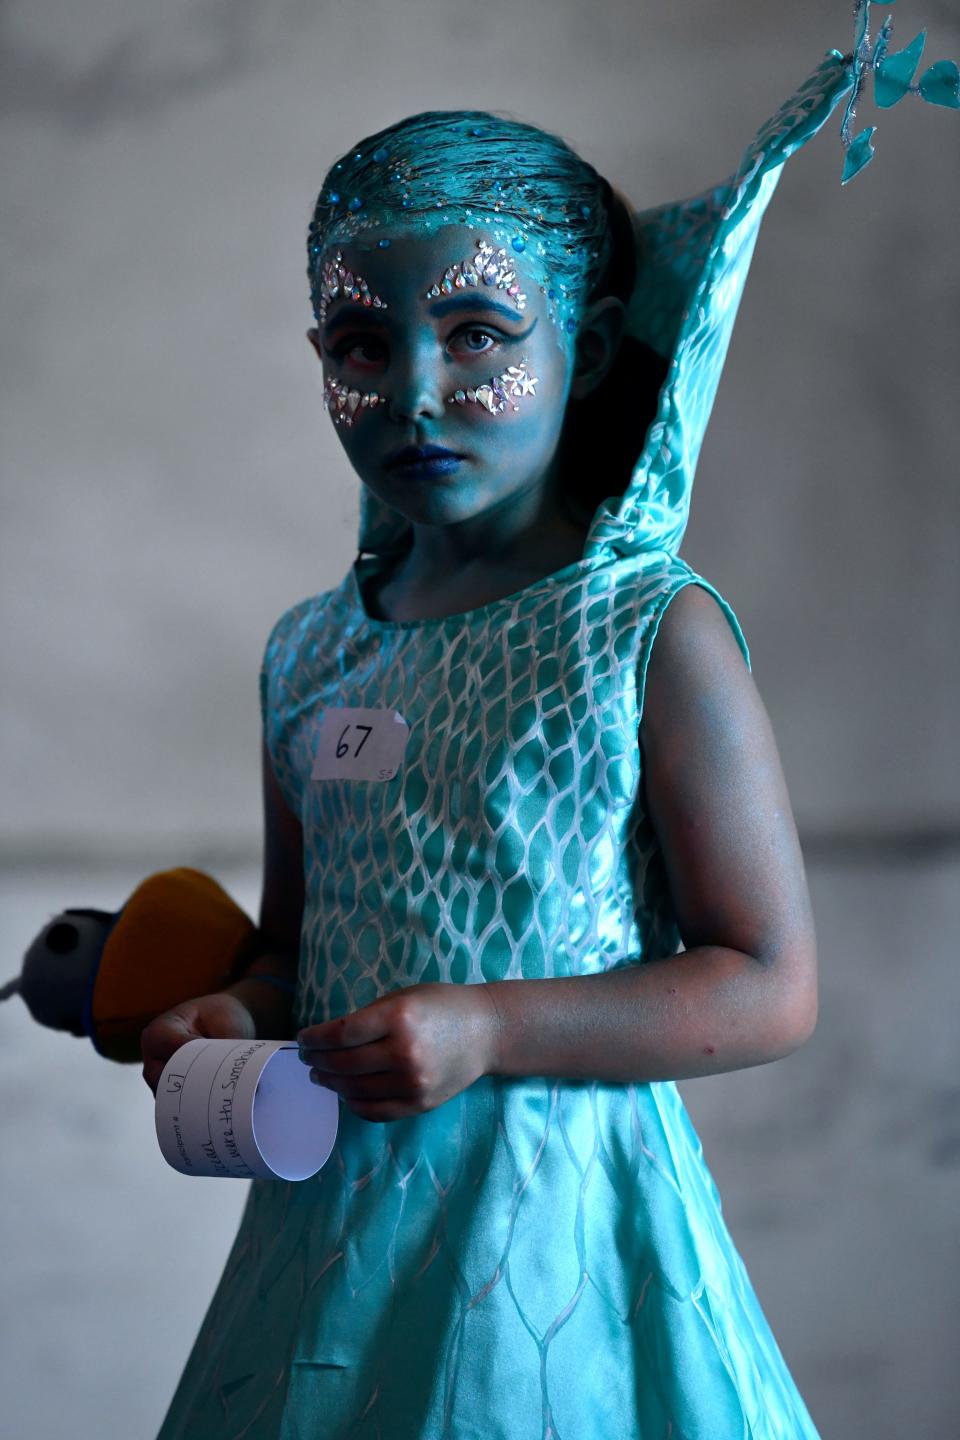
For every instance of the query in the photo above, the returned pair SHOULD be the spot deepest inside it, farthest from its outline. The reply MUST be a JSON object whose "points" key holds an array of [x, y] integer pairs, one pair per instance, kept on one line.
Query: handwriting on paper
{"points": [[242, 1109], [360, 744]]}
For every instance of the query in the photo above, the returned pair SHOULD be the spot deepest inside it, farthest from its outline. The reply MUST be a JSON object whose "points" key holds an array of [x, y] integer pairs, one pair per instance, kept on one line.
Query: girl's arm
{"points": [[253, 1006], [742, 993]]}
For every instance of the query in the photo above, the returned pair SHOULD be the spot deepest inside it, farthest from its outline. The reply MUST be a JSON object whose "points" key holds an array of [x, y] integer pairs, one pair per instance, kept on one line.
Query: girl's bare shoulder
{"points": [[696, 663], [716, 793]]}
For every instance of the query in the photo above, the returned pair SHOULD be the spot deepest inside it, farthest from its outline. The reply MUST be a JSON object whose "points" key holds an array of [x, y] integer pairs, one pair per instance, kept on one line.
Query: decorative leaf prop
{"points": [[859, 153], [893, 74], [941, 84]]}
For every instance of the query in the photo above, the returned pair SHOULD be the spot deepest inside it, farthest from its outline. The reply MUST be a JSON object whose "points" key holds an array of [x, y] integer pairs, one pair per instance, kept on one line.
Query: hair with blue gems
{"points": [[524, 189]]}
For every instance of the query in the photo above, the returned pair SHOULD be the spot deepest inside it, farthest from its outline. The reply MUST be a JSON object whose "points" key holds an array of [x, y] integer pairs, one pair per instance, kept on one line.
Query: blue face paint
{"points": [[454, 367]]}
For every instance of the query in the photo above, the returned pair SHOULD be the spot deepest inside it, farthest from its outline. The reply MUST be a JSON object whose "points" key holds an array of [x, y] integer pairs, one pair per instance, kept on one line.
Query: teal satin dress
{"points": [[537, 1259]]}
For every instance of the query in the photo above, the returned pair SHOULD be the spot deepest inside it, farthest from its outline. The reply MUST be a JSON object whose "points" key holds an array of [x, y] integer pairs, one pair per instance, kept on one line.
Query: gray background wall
{"points": [[171, 483]]}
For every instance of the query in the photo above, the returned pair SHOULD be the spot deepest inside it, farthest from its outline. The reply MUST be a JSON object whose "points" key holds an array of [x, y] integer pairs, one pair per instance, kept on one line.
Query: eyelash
{"points": [[341, 351]]}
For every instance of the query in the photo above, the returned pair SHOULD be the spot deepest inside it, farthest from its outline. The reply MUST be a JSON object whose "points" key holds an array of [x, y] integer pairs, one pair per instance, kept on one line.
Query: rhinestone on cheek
{"points": [[344, 404], [500, 390]]}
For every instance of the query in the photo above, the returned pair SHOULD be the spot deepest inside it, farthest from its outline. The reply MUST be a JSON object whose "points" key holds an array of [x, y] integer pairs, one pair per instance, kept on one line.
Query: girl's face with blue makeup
{"points": [[465, 371]]}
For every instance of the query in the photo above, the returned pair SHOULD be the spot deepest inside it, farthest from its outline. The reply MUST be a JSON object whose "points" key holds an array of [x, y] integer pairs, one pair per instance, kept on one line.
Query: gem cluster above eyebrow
{"points": [[487, 267], [337, 282]]}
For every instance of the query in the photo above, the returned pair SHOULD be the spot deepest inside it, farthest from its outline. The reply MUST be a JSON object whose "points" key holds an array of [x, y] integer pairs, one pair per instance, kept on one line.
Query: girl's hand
{"points": [[220, 1016], [408, 1051]]}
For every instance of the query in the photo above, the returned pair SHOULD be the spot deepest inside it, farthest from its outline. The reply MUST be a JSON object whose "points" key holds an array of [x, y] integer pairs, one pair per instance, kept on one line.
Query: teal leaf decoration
{"points": [[940, 85], [894, 73], [859, 154]]}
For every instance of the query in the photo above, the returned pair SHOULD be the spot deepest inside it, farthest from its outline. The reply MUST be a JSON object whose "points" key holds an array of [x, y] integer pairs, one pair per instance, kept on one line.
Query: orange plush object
{"points": [[178, 935], [107, 974]]}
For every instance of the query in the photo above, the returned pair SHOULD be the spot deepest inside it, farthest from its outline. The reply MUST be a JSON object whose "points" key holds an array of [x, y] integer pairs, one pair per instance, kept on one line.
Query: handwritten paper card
{"points": [[360, 744], [244, 1108]]}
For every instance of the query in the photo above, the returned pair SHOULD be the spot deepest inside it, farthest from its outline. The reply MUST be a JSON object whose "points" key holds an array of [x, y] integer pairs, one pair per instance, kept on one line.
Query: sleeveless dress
{"points": [[536, 1257]]}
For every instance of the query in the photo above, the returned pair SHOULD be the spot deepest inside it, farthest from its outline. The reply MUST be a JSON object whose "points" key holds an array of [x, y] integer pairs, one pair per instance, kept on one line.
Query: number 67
{"points": [[343, 747]]}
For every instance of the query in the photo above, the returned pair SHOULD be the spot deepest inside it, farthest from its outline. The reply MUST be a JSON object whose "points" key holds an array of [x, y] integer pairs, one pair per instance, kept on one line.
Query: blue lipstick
{"points": [[417, 462]]}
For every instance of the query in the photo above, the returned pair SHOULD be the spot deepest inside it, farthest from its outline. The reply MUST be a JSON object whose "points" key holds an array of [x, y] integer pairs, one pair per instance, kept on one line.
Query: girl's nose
{"points": [[416, 394]]}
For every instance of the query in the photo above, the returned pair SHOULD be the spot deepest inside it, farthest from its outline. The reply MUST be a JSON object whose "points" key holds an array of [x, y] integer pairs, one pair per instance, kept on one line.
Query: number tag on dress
{"points": [[360, 745]]}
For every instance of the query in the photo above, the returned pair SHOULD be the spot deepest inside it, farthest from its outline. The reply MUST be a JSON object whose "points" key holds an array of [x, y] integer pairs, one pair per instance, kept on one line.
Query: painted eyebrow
{"points": [[473, 302], [353, 314]]}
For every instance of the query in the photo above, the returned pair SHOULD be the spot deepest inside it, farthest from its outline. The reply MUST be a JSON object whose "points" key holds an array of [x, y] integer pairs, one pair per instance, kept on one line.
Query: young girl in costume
{"points": [[511, 762]]}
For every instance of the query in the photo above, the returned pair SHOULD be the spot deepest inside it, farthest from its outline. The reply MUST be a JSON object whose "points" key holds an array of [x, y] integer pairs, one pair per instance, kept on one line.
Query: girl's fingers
{"points": [[361, 1060], [360, 1027], [158, 1042]]}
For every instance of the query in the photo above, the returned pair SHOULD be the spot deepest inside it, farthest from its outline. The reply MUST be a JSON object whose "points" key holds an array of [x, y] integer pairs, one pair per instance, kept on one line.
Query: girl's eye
{"points": [[361, 353], [473, 340]]}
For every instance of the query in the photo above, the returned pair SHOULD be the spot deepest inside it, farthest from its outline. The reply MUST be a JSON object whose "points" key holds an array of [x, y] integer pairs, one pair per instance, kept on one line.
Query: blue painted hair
{"points": [[525, 187]]}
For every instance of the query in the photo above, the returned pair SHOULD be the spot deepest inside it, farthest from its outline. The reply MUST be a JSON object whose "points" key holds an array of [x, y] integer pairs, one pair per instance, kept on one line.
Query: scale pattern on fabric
{"points": [[443, 1265], [513, 842]]}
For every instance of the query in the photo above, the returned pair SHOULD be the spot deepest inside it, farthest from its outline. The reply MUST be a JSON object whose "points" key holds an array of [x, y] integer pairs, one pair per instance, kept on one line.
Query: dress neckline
{"points": [[366, 565]]}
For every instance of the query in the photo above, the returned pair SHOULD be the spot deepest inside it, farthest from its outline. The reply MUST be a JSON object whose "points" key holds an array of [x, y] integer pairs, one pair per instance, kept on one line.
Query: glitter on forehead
{"points": [[528, 192], [487, 267], [338, 282]]}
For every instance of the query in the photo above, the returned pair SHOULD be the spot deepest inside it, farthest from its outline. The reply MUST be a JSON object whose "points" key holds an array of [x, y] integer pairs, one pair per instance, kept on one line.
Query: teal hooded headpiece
{"points": [[692, 261], [693, 257]]}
